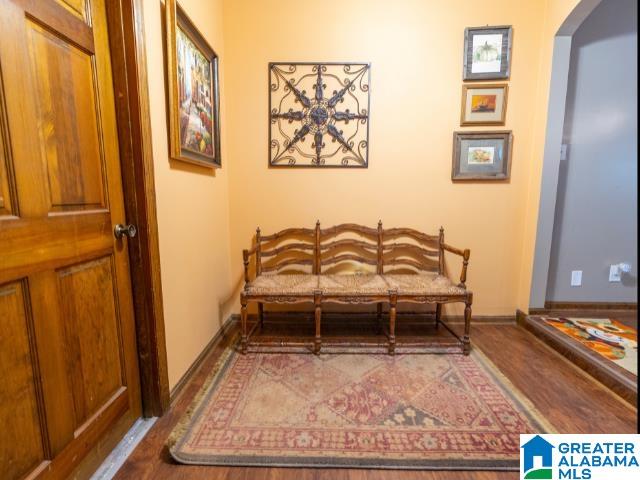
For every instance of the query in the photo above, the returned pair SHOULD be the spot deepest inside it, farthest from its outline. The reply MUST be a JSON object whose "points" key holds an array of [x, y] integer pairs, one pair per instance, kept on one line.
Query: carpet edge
{"points": [[185, 420], [514, 391]]}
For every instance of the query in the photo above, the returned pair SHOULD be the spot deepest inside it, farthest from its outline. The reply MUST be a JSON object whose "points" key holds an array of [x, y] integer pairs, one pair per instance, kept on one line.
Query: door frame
{"points": [[129, 65], [553, 140]]}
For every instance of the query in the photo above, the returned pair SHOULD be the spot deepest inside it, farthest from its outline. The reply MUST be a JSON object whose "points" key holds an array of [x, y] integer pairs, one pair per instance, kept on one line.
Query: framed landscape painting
{"points": [[481, 155], [487, 53], [194, 105], [484, 104]]}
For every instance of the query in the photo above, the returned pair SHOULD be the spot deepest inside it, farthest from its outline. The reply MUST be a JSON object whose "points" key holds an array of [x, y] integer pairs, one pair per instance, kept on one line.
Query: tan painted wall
{"points": [[193, 208], [415, 48]]}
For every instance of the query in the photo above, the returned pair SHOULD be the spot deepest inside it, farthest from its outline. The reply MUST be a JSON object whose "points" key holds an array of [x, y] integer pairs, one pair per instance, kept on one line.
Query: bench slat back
{"points": [[347, 247], [406, 250], [288, 251]]}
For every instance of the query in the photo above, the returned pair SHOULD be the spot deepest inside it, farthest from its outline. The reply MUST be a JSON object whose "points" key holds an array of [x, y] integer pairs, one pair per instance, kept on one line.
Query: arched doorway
{"points": [[553, 236]]}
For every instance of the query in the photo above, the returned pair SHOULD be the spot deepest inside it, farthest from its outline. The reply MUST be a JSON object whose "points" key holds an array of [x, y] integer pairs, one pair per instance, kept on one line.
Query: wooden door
{"points": [[68, 362]]}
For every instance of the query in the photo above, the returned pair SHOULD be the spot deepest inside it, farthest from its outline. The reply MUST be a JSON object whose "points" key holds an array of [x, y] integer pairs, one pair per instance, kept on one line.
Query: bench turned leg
{"points": [[438, 314], [243, 325], [261, 314], [317, 343], [392, 323], [466, 342]]}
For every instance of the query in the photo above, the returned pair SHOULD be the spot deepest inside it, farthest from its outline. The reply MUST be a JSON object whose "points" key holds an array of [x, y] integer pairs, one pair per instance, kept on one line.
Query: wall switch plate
{"points": [[576, 278], [615, 273], [563, 151]]}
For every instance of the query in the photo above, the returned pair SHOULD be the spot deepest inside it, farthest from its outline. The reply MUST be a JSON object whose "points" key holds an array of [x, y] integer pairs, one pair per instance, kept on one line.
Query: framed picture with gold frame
{"points": [[194, 104], [484, 104]]}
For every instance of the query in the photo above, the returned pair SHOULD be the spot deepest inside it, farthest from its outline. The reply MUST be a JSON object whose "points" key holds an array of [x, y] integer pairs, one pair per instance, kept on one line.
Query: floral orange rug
{"points": [[607, 337], [356, 410]]}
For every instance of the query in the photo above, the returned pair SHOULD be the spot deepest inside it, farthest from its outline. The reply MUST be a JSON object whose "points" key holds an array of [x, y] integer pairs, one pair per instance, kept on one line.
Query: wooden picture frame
{"points": [[490, 60], [484, 104], [481, 155], [193, 91]]}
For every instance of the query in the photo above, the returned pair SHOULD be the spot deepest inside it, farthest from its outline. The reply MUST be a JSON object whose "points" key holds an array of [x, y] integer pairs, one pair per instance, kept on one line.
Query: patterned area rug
{"points": [[356, 410], [610, 338]]}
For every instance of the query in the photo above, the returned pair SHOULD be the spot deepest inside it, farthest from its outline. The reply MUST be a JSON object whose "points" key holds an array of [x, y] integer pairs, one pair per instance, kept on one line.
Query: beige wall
{"points": [[193, 207], [415, 48], [555, 14]]}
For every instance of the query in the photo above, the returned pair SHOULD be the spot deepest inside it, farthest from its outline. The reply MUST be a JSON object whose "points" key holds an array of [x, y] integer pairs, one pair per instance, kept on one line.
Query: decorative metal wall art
{"points": [[319, 114]]}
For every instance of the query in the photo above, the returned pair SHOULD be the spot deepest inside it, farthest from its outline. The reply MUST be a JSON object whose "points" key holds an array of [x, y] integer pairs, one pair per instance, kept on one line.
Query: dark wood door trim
{"points": [[126, 37]]}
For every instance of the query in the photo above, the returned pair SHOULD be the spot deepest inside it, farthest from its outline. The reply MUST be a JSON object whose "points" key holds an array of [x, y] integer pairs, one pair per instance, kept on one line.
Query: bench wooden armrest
{"points": [[246, 254], [465, 261], [251, 250]]}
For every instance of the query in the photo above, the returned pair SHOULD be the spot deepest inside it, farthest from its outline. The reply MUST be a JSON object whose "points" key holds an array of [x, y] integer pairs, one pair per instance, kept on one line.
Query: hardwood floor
{"points": [[570, 399]]}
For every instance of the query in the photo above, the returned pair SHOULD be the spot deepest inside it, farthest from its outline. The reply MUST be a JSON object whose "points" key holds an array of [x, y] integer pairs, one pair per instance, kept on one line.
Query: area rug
{"points": [[607, 337], [356, 410]]}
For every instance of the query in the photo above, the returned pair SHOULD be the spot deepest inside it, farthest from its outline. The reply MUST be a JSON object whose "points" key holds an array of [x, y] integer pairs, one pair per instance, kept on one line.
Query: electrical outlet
{"points": [[615, 274], [616, 271], [576, 278]]}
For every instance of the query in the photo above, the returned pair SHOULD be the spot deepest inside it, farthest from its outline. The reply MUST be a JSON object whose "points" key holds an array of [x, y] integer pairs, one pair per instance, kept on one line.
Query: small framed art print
{"points": [[487, 53], [483, 104], [481, 155]]}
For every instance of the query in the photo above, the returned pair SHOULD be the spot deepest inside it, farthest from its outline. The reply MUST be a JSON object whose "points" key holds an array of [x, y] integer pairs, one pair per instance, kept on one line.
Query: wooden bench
{"points": [[302, 265]]}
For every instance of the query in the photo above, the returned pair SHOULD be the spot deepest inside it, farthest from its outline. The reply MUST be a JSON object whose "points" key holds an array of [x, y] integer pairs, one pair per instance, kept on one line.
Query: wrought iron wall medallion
{"points": [[319, 114]]}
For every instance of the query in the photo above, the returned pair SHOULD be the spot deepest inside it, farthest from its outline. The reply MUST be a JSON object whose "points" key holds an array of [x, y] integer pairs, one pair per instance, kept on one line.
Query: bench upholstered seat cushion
{"points": [[307, 284], [354, 285], [285, 284], [423, 284]]}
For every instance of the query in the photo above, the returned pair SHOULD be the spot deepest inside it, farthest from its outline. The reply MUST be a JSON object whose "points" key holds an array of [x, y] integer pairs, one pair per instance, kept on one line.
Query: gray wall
{"points": [[595, 222]]}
